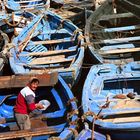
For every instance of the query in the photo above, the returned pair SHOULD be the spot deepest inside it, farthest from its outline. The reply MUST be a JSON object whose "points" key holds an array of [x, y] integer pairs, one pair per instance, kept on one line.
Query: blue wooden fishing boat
{"points": [[17, 5], [48, 43], [112, 32], [86, 134], [111, 98], [59, 120]]}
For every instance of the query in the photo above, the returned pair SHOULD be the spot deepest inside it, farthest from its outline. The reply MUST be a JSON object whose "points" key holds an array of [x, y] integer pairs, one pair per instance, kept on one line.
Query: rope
{"points": [[72, 100], [74, 122], [74, 131], [72, 113], [14, 24], [54, 138]]}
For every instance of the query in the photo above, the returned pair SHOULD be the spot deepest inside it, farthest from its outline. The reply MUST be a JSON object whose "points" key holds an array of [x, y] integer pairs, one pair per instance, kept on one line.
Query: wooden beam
{"points": [[27, 1], [119, 112], [132, 7], [48, 53], [32, 132], [115, 16], [118, 40], [118, 46], [46, 79], [49, 60], [127, 119], [118, 29], [52, 41], [24, 6], [119, 51]]}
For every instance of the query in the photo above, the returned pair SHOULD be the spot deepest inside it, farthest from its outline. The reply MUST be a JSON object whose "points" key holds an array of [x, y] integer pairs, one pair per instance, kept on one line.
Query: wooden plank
{"points": [[32, 132], [127, 119], [130, 6], [118, 29], [24, 6], [115, 16], [120, 112], [48, 52], [120, 46], [119, 51], [49, 60], [52, 41], [118, 40], [46, 79], [27, 1]]}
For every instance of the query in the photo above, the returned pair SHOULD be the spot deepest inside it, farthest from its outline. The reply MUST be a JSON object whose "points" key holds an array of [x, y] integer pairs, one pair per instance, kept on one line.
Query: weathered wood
{"points": [[50, 60], [115, 16], [118, 40], [118, 29], [49, 52], [120, 112], [118, 46], [32, 132], [130, 6], [52, 41], [29, 35], [27, 1], [48, 79], [119, 51], [127, 119], [24, 6]]}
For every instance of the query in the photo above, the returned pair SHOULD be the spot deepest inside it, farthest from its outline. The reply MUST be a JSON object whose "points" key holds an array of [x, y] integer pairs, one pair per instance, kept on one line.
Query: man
{"points": [[25, 104]]}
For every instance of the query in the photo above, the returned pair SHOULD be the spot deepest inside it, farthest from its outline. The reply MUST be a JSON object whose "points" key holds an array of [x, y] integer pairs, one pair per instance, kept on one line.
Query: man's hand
{"points": [[39, 106]]}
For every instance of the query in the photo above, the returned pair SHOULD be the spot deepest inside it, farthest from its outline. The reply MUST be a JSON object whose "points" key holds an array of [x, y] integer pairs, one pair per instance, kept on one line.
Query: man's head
{"points": [[33, 83]]}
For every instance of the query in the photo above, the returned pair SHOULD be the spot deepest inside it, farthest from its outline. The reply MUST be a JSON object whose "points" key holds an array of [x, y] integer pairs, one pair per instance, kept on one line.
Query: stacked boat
{"points": [[112, 34], [44, 45], [110, 97]]}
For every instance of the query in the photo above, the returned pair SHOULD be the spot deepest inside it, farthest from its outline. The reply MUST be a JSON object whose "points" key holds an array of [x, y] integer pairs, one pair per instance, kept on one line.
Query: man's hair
{"points": [[33, 80]]}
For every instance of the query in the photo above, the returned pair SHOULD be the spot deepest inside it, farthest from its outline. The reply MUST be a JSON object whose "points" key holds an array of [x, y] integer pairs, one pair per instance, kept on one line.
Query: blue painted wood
{"points": [[56, 113], [17, 5], [52, 28], [102, 84], [86, 134]]}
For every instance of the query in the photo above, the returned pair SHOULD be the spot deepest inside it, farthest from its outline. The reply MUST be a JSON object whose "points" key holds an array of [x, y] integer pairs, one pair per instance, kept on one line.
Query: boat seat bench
{"points": [[31, 132]]}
